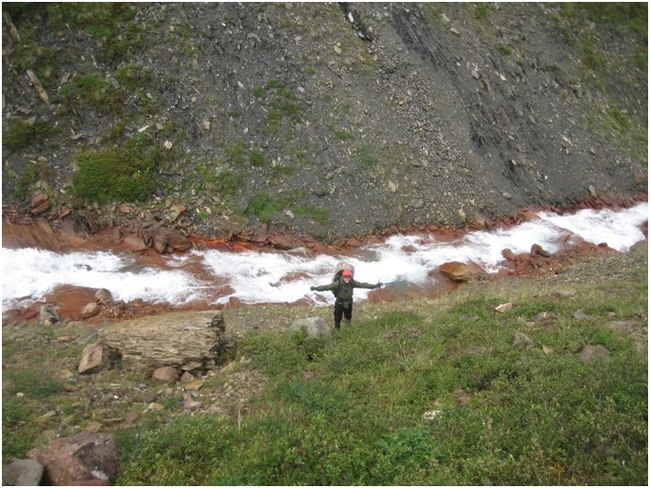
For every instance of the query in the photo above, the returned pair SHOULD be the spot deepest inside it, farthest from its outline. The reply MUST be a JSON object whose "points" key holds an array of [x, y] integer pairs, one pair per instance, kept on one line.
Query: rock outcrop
{"points": [[186, 341]]}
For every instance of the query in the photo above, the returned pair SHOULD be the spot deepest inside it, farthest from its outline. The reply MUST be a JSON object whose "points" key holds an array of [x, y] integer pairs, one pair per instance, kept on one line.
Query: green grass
{"points": [[264, 206], [509, 414], [281, 101], [108, 23]]}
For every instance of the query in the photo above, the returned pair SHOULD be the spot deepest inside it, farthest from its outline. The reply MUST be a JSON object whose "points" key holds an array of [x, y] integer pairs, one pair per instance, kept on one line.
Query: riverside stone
{"points": [[461, 272]]}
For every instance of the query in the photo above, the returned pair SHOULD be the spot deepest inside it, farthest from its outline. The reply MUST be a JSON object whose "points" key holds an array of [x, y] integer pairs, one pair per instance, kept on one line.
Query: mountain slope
{"points": [[325, 119]]}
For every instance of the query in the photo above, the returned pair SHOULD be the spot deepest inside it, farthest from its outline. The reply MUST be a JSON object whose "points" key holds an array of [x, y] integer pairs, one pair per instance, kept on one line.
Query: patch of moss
{"points": [[34, 171], [94, 91], [127, 173], [105, 22], [282, 102], [21, 133]]}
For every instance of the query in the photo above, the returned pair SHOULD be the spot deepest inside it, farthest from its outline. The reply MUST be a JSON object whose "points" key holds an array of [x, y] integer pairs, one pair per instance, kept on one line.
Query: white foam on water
{"points": [[34, 273], [266, 277], [619, 230], [285, 277]]}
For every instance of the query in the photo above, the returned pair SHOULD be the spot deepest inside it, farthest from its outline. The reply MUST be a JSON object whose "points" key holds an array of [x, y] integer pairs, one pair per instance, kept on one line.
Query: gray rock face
{"points": [[408, 115]]}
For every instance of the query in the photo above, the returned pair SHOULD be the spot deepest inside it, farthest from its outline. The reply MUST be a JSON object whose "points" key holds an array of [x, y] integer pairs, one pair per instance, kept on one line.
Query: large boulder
{"points": [[182, 340], [94, 358], [86, 458]]}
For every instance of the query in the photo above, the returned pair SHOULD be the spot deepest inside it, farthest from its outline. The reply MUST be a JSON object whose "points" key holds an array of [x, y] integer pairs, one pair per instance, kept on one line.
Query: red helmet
{"points": [[347, 272]]}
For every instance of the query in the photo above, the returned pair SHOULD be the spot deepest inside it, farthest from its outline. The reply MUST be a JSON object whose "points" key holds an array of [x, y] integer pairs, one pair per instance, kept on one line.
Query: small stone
{"points": [[431, 415], [503, 308], [166, 374]]}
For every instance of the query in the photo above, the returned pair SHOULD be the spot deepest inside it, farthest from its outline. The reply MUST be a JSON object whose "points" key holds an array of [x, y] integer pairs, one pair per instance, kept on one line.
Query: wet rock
{"points": [[86, 457], [71, 300], [537, 250], [461, 272], [134, 243], [166, 240]]}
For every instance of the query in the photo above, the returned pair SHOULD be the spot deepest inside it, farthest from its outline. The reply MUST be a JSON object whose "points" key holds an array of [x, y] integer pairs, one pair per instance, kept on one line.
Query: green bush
{"points": [[257, 158], [121, 174]]}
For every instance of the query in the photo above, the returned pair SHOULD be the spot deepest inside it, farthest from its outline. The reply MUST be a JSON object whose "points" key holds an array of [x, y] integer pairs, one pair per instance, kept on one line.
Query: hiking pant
{"points": [[340, 310]]}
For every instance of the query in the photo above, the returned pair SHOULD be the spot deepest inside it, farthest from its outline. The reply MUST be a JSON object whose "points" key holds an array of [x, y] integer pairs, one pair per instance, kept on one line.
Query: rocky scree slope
{"points": [[322, 119]]}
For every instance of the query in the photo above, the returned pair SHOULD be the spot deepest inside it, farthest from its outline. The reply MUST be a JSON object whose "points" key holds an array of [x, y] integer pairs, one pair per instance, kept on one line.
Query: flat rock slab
{"points": [[182, 340]]}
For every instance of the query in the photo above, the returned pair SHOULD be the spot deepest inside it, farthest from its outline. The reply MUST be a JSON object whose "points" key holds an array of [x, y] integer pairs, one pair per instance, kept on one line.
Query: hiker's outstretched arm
{"points": [[361, 284], [328, 287]]}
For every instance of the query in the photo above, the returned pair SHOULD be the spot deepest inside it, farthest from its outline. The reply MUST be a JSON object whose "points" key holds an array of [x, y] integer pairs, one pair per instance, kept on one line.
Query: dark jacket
{"points": [[342, 291]]}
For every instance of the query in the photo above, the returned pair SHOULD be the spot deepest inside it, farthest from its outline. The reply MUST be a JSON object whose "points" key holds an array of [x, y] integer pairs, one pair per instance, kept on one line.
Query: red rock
{"points": [[134, 243], [40, 204], [166, 240], [85, 458]]}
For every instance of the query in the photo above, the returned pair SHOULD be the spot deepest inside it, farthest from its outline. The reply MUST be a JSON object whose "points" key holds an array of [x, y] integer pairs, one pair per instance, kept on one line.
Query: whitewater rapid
{"points": [[286, 276]]}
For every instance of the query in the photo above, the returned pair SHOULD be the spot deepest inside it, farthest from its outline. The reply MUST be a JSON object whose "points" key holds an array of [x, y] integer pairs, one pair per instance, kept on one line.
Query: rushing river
{"points": [[215, 276]]}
